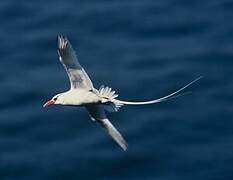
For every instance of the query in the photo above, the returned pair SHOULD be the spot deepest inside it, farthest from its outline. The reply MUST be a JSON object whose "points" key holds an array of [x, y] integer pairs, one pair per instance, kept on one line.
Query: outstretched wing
{"points": [[77, 75], [97, 113]]}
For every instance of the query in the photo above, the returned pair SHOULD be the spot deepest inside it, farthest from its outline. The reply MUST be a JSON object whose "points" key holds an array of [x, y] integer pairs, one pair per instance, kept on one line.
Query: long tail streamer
{"points": [[165, 98]]}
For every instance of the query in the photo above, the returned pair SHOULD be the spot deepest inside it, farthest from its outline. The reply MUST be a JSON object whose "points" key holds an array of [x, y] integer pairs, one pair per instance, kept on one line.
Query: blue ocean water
{"points": [[142, 49]]}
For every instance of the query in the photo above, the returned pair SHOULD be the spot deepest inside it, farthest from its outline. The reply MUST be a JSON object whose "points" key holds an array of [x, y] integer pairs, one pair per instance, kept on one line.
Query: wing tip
{"points": [[198, 78], [62, 42], [125, 146], [114, 133]]}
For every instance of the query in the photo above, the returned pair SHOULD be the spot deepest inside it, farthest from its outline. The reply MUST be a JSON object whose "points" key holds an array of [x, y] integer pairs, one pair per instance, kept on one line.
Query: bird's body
{"points": [[79, 98], [97, 102]]}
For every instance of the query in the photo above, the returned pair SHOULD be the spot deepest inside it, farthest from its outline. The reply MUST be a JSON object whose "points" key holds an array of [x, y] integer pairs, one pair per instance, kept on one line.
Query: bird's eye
{"points": [[55, 99]]}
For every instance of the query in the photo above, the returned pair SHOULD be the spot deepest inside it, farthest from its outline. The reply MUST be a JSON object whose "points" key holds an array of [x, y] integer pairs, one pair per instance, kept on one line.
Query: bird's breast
{"points": [[80, 98]]}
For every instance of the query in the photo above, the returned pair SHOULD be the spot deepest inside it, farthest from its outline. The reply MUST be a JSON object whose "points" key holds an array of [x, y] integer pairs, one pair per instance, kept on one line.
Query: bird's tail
{"points": [[108, 99], [165, 98]]}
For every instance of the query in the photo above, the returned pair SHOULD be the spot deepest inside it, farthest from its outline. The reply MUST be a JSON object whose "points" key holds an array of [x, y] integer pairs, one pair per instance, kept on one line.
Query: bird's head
{"points": [[55, 100]]}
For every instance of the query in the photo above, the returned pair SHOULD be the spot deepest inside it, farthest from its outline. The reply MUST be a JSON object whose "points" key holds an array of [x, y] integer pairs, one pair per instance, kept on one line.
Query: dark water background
{"points": [[141, 49]]}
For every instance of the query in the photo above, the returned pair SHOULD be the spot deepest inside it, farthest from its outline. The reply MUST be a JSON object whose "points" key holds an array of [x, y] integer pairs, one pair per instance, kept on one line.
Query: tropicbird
{"points": [[96, 101]]}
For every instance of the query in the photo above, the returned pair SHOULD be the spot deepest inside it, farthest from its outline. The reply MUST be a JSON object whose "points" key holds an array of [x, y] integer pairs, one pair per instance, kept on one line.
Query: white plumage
{"points": [[83, 93]]}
